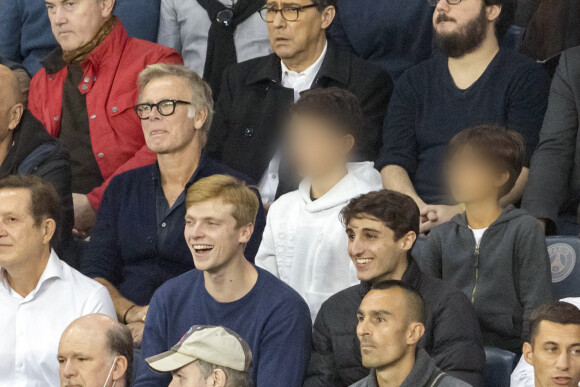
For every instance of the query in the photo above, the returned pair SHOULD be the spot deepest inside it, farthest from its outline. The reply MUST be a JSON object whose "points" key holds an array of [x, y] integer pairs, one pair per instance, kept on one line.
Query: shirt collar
{"points": [[310, 71], [53, 269]]}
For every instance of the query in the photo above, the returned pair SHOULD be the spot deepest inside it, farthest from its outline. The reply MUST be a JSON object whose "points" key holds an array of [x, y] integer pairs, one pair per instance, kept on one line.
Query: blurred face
{"points": [[84, 359], [383, 328], [292, 40], [21, 240], [316, 147], [213, 236], [555, 355], [189, 376], [461, 28], [76, 22], [374, 250], [173, 133], [472, 178]]}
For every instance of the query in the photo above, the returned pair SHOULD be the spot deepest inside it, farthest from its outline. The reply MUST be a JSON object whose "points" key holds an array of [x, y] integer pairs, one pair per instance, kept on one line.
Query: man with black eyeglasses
{"points": [[255, 95], [138, 243], [470, 82]]}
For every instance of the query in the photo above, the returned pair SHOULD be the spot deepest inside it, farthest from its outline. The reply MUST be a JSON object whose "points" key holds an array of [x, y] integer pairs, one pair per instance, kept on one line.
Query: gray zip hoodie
{"points": [[506, 276]]}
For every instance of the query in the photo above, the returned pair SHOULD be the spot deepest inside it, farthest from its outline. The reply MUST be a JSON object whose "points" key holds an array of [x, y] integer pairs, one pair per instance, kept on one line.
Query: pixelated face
{"points": [[374, 250], [189, 376], [316, 146], [76, 22], [295, 39], [212, 234], [84, 359], [175, 132], [555, 355], [472, 178], [382, 328], [21, 239]]}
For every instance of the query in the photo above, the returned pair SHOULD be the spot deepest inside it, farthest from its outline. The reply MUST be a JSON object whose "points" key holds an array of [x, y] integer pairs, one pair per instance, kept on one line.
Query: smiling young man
{"points": [[554, 346], [470, 82], [138, 243], [382, 228], [228, 290], [84, 95], [256, 95], [391, 321]]}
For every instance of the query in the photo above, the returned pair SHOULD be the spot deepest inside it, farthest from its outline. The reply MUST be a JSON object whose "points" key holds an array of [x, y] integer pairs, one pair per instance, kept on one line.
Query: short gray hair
{"points": [[234, 378], [120, 343], [201, 96]]}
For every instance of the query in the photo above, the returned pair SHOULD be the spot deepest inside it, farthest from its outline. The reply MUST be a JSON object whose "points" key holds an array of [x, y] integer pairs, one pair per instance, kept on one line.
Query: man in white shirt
{"points": [[40, 295], [255, 96], [523, 375]]}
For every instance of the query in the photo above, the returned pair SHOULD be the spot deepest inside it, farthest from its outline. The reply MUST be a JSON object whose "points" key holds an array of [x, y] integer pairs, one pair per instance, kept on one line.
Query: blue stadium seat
{"points": [[499, 365], [564, 251], [136, 362]]}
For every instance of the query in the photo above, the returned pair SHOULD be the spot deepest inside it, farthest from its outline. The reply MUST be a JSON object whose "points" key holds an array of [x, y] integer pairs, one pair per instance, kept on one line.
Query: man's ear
{"points": [[528, 353], [218, 378], [107, 7], [327, 16], [408, 240], [199, 116], [120, 368], [48, 228], [349, 143], [415, 332], [493, 12], [246, 233], [15, 115]]}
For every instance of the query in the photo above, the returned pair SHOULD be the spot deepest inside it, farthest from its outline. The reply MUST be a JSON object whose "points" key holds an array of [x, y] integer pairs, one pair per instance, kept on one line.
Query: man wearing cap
{"points": [[207, 356]]}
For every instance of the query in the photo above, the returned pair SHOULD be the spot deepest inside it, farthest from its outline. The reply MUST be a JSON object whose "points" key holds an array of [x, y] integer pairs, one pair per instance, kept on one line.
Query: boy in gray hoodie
{"points": [[496, 256]]}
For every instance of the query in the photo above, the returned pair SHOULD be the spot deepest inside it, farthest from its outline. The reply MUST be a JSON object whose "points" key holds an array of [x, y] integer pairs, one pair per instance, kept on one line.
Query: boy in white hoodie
{"points": [[304, 243]]}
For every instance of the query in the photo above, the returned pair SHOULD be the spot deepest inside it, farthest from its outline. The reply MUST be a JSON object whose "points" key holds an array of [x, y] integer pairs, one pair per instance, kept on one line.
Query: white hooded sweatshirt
{"points": [[305, 244]]}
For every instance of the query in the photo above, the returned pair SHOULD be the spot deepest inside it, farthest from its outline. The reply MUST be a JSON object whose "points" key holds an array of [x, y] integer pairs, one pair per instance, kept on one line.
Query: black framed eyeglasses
{"points": [[165, 107], [290, 14], [434, 3]]}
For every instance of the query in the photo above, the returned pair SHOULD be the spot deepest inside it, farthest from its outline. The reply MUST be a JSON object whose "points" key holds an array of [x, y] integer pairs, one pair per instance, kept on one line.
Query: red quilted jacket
{"points": [[110, 85]]}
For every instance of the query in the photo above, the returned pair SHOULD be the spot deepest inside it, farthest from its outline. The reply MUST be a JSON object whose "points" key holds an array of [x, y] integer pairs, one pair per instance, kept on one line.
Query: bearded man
{"points": [[470, 82]]}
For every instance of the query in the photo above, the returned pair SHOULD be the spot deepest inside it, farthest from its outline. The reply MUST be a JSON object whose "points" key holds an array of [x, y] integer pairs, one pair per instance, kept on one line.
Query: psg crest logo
{"points": [[563, 260]]}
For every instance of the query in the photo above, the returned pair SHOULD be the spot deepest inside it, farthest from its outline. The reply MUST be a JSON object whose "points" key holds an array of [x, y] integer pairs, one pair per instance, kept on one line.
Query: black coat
{"points": [[252, 105], [452, 335], [35, 152]]}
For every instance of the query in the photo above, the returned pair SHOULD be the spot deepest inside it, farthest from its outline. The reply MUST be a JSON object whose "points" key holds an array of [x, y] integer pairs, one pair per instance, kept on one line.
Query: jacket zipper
{"points": [[476, 267]]}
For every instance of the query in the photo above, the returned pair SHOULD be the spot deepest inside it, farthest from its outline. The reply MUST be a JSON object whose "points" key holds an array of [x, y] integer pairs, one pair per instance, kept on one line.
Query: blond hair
{"points": [[201, 92], [231, 191]]}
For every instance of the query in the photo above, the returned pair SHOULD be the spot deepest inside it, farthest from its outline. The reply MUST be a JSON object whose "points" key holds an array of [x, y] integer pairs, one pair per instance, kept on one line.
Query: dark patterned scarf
{"points": [[82, 53]]}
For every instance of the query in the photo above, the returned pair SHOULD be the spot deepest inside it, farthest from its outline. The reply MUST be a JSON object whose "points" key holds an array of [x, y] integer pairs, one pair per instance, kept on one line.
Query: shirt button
{"points": [[84, 87], [93, 117], [274, 176], [115, 109], [87, 79], [163, 224], [101, 155], [249, 132], [55, 118], [51, 78]]}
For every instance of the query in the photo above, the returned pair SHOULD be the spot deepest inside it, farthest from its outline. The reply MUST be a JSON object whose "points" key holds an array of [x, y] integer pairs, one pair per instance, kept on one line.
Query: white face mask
{"points": [[111, 372]]}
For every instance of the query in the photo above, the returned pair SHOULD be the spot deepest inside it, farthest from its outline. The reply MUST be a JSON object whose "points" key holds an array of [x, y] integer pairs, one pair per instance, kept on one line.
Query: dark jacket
{"points": [[424, 374], [126, 247], [506, 276], [35, 152], [452, 335], [554, 183], [252, 104]]}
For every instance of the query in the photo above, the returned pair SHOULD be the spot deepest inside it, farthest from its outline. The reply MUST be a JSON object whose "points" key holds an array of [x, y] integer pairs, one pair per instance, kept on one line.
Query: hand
{"points": [[433, 215], [85, 215], [137, 314], [137, 329]]}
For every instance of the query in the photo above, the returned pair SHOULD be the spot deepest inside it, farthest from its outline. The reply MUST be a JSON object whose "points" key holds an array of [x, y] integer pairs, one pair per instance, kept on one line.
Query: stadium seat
{"points": [[136, 362], [499, 365], [564, 251]]}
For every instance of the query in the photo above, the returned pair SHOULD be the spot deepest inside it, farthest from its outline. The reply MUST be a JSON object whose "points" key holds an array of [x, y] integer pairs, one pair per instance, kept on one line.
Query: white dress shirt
{"points": [[523, 375], [184, 26], [31, 327], [299, 82]]}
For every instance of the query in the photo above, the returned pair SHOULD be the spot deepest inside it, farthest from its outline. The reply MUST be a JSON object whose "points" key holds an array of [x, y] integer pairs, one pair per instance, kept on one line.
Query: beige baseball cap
{"points": [[212, 344]]}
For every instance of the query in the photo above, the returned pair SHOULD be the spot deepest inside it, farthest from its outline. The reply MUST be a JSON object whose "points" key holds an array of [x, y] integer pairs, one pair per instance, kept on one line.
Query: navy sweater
{"points": [[427, 110], [272, 318], [126, 248]]}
